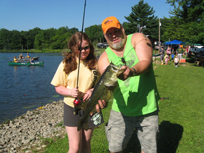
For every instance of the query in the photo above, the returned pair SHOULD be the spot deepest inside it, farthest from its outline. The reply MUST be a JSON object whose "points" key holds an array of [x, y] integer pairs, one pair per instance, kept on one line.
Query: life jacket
{"points": [[15, 60]]}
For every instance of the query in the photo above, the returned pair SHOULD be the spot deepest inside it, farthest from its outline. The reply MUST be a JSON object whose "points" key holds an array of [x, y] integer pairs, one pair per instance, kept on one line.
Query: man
{"points": [[20, 56], [136, 97], [180, 52]]}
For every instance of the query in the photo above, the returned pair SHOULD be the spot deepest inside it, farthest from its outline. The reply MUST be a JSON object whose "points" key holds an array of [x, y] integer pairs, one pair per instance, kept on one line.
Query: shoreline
{"points": [[26, 133]]}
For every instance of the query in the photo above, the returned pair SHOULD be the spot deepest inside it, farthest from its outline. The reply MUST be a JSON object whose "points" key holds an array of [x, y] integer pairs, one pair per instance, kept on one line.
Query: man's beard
{"points": [[119, 44]]}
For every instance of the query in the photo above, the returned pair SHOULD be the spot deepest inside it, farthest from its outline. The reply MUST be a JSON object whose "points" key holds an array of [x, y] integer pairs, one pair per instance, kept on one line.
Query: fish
{"points": [[103, 90]]}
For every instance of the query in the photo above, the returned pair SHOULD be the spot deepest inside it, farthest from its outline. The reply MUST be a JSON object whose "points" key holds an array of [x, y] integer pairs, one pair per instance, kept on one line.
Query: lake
{"points": [[26, 88]]}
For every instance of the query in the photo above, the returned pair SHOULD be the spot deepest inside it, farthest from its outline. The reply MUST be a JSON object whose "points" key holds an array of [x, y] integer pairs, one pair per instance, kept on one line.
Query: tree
{"points": [[5, 39], [188, 10], [62, 30], [173, 28], [60, 41], [30, 37], [142, 14], [73, 30], [95, 33], [43, 38], [16, 40], [190, 16]]}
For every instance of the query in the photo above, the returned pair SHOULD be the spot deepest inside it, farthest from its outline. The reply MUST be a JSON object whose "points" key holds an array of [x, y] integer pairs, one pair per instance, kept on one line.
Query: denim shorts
{"points": [[120, 128]]}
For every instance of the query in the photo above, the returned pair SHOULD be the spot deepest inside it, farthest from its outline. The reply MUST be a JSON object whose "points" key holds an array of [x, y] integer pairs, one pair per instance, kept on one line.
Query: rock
{"points": [[27, 130]]}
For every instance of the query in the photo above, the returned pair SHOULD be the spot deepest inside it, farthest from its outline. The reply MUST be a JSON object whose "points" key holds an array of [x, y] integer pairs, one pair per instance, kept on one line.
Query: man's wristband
{"points": [[134, 72]]}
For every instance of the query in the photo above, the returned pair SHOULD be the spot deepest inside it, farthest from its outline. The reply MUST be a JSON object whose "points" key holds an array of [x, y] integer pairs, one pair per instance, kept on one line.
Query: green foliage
{"points": [[94, 32], [35, 39], [187, 20], [188, 10], [142, 14]]}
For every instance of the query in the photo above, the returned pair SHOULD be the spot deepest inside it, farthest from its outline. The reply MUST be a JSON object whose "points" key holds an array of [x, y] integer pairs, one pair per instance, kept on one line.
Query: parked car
{"points": [[198, 46], [196, 50], [102, 45]]}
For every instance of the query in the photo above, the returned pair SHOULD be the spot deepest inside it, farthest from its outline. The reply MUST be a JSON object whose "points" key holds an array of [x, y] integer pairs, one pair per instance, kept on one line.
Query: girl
{"points": [[176, 61], [65, 82], [168, 51], [166, 57]]}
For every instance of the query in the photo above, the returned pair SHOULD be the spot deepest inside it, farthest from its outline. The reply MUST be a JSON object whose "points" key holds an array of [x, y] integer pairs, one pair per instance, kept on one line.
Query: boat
{"points": [[28, 59], [41, 63], [36, 58]]}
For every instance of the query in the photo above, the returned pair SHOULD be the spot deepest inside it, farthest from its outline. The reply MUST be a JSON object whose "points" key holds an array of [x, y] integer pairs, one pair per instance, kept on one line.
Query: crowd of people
{"points": [[135, 99], [171, 54]]}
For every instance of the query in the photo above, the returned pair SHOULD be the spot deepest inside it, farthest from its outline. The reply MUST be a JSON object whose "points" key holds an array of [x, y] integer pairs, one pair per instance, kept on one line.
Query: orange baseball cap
{"points": [[110, 22]]}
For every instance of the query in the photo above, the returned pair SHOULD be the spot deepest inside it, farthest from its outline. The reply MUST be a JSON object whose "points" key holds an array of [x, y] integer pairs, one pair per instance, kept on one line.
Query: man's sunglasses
{"points": [[123, 60]]}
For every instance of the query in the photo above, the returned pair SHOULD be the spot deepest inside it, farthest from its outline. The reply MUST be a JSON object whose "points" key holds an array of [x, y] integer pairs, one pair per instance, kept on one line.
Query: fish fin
{"points": [[86, 126], [82, 125]]}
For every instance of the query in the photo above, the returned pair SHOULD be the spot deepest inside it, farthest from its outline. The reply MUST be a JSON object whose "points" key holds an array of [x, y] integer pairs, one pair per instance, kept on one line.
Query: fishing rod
{"points": [[78, 101], [81, 43]]}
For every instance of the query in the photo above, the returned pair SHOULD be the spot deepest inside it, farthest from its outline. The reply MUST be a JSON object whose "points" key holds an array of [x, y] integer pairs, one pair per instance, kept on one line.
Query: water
{"points": [[24, 88]]}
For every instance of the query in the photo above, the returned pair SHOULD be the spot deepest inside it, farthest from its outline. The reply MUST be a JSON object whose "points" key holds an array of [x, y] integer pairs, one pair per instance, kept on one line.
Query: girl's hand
{"points": [[74, 92], [87, 95]]}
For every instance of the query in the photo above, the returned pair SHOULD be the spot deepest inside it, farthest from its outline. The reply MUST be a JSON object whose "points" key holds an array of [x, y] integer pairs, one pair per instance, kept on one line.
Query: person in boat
{"points": [[32, 60], [28, 56], [21, 56], [15, 59]]}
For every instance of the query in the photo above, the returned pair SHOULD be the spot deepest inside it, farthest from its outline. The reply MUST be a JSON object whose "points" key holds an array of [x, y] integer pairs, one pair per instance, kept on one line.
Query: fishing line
{"points": [[81, 43]]}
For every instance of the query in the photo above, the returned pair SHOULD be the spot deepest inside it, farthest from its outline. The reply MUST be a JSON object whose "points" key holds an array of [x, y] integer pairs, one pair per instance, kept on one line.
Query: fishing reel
{"points": [[77, 104]]}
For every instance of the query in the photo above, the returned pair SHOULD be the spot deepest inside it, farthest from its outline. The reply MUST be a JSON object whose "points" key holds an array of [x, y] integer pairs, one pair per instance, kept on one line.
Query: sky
{"points": [[24, 15]]}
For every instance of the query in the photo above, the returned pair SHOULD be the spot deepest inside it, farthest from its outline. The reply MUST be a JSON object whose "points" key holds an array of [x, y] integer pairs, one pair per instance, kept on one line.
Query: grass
{"points": [[181, 123]]}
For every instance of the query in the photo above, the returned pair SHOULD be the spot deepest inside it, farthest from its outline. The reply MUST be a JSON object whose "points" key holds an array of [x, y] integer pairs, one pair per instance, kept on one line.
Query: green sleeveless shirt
{"points": [[137, 95]]}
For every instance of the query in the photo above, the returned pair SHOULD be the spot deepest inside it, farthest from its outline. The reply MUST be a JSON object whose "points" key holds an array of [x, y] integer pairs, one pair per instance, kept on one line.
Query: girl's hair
{"points": [[70, 57]]}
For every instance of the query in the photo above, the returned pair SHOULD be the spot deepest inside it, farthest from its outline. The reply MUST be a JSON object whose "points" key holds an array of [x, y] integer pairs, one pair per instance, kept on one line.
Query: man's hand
{"points": [[101, 105], [127, 73]]}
